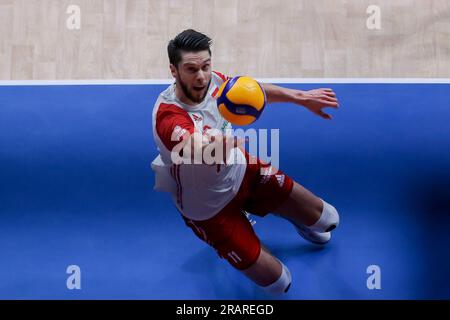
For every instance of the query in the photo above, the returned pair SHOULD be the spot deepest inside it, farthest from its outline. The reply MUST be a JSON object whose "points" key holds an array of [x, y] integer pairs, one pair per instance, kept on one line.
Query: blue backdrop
{"points": [[76, 189]]}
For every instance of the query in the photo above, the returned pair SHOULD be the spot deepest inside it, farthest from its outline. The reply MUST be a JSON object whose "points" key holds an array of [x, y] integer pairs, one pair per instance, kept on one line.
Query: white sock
{"points": [[329, 219], [282, 284]]}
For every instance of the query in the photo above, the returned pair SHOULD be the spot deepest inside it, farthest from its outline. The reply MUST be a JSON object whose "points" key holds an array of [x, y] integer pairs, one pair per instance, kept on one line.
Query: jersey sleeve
{"points": [[221, 77], [173, 125]]}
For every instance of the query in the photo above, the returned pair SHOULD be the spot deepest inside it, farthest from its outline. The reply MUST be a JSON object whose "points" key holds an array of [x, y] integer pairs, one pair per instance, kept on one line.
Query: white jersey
{"points": [[199, 191]]}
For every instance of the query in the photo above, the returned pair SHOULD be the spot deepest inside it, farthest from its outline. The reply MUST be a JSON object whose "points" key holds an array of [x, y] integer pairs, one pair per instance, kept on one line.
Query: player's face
{"points": [[193, 75]]}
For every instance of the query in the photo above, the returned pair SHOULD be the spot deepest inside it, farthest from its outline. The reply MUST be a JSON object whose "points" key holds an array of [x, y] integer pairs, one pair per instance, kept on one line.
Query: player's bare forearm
{"points": [[276, 93], [314, 100], [198, 148]]}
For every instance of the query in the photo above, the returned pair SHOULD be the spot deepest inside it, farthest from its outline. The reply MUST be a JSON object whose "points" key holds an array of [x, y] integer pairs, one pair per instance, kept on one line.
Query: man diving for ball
{"points": [[213, 199]]}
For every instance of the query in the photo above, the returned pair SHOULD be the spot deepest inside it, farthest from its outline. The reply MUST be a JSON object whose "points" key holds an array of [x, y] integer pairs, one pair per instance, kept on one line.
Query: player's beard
{"points": [[188, 93]]}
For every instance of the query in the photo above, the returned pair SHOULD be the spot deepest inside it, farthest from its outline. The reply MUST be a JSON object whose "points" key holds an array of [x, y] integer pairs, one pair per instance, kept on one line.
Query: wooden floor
{"points": [[126, 39]]}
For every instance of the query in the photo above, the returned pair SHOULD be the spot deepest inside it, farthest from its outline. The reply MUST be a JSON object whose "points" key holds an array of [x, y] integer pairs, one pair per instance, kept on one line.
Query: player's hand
{"points": [[226, 143], [317, 99]]}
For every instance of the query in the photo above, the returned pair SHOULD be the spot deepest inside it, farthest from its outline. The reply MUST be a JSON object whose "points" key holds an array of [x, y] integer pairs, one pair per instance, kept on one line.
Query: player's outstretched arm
{"points": [[314, 100]]}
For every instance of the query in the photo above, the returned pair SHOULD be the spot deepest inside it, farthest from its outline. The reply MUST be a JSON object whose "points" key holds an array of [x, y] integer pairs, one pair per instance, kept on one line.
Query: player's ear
{"points": [[173, 71]]}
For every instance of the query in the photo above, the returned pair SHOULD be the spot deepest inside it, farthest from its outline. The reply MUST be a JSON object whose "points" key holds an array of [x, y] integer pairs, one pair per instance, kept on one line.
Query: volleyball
{"points": [[241, 100]]}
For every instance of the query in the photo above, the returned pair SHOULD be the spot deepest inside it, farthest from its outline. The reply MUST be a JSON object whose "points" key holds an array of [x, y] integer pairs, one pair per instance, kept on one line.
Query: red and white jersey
{"points": [[199, 191]]}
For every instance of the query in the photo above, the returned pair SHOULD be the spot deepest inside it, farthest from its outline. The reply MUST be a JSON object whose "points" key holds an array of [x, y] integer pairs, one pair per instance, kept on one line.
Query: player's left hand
{"points": [[317, 99]]}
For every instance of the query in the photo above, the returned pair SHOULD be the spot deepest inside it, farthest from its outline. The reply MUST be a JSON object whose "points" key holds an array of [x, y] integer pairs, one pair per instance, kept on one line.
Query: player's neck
{"points": [[182, 97]]}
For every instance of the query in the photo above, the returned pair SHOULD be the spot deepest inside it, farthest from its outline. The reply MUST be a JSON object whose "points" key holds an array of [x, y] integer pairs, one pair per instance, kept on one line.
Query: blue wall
{"points": [[76, 188]]}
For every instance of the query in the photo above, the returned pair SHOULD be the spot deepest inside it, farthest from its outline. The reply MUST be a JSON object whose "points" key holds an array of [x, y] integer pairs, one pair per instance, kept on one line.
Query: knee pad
{"points": [[283, 283], [329, 219]]}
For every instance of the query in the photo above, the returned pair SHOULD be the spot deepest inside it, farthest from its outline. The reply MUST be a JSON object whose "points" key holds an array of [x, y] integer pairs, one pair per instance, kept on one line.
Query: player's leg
{"points": [[233, 237], [302, 207], [269, 273], [274, 192]]}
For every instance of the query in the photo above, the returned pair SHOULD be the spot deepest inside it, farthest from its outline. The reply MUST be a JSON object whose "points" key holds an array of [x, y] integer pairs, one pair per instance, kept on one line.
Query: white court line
{"points": [[269, 80], [357, 80], [82, 82]]}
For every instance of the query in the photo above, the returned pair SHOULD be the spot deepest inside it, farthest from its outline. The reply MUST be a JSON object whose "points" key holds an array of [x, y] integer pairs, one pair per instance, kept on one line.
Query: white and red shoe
{"points": [[310, 235]]}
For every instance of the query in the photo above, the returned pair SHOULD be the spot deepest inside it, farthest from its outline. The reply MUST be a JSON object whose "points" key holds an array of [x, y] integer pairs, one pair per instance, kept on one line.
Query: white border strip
{"points": [[82, 82], [269, 80], [356, 80]]}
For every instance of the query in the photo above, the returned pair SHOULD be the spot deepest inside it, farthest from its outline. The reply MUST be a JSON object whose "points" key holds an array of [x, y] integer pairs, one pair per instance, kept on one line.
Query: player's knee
{"points": [[329, 219], [282, 284]]}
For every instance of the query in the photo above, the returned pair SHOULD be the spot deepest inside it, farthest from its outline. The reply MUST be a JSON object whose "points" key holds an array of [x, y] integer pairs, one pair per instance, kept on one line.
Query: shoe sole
{"points": [[312, 241], [304, 237]]}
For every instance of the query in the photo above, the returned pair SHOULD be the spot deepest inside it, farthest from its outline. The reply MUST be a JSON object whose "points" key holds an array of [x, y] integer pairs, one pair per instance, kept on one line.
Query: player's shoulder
{"points": [[166, 101], [219, 77], [167, 96], [164, 109]]}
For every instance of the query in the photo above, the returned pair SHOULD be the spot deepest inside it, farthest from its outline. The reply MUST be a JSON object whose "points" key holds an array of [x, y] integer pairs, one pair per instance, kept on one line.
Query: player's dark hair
{"points": [[188, 41]]}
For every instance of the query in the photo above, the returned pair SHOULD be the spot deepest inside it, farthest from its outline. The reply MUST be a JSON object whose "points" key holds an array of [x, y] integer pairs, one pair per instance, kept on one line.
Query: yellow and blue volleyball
{"points": [[241, 100]]}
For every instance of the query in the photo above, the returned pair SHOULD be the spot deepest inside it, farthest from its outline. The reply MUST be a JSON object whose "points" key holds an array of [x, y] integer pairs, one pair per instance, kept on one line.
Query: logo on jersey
{"points": [[280, 179], [206, 128], [196, 117]]}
